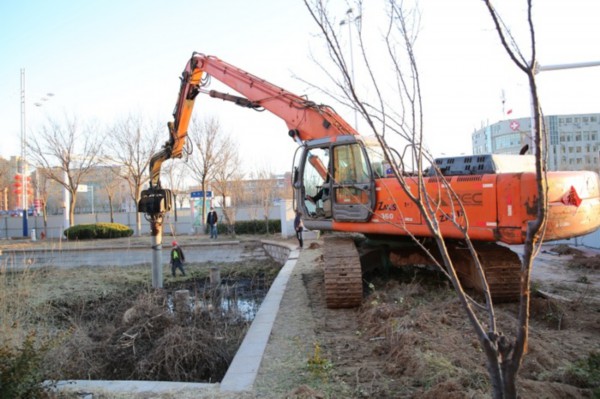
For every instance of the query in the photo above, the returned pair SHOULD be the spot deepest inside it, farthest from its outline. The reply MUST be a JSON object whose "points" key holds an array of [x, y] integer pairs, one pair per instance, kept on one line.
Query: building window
{"points": [[569, 120], [593, 119]]}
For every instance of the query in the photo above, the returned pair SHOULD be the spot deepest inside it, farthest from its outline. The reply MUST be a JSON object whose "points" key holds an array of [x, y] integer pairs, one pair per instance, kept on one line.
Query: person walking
{"points": [[211, 221], [177, 259], [299, 227]]}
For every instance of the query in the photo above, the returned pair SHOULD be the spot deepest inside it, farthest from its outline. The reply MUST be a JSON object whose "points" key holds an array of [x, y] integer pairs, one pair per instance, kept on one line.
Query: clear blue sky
{"points": [[106, 59]]}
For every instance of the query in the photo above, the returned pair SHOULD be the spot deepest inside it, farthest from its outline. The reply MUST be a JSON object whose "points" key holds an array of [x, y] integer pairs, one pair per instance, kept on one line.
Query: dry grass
{"points": [[80, 311]]}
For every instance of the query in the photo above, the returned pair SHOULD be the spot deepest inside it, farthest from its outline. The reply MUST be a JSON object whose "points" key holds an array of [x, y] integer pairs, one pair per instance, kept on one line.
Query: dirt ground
{"points": [[410, 339]]}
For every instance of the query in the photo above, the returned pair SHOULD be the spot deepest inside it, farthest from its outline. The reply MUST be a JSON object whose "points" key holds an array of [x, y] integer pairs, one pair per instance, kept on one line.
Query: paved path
{"points": [[226, 251]]}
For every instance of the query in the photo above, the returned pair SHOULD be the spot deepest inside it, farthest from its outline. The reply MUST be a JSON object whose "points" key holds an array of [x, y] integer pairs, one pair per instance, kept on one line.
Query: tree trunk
{"points": [[73, 201], [110, 206], [175, 206], [138, 217]]}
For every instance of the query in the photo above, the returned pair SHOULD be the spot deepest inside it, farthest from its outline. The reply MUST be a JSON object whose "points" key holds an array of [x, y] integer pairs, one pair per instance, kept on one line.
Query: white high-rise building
{"points": [[573, 140]]}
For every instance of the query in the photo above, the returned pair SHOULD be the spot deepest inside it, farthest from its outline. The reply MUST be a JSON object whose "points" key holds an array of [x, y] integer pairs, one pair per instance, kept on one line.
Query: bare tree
{"points": [[5, 181], [67, 152], [42, 183], [176, 181], [133, 143], [405, 120], [208, 142], [266, 191], [110, 183], [511, 353], [227, 183]]}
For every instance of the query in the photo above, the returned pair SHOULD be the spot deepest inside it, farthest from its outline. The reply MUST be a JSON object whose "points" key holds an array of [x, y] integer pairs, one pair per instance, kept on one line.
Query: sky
{"points": [[106, 59]]}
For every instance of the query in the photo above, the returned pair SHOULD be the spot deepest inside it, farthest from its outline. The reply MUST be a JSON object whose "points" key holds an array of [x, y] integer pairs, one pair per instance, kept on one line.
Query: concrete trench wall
{"points": [[280, 252]]}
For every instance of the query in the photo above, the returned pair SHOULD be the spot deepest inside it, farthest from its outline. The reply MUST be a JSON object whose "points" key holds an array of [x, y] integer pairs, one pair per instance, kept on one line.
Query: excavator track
{"points": [[343, 274], [502, 269], [501, 266]]}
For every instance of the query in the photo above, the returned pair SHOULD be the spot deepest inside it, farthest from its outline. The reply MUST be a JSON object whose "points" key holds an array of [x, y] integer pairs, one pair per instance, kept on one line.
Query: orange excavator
{"points": [[342, 182]]}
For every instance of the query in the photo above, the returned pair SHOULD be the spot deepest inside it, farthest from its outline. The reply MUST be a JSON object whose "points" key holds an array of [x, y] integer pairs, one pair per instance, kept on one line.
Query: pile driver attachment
{"points": [[155, 201]]}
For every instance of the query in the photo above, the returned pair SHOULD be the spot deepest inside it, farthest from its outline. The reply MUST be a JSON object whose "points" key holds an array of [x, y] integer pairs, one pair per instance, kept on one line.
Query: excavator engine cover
{"points": [[154, 201]]}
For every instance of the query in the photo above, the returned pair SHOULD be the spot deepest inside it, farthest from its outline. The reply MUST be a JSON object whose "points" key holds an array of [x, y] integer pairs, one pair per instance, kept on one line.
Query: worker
{"points": [[299, 227], [177, 259], [211, 221]]}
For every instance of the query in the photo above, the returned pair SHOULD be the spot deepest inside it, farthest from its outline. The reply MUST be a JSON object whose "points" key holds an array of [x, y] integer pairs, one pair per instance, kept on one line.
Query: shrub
{"points": [[21, 373], [97, 230], [251, 227], [257, 227]]}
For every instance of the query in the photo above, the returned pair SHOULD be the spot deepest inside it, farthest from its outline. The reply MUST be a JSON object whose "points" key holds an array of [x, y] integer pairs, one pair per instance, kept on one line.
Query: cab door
{"points": [[352, 186]]}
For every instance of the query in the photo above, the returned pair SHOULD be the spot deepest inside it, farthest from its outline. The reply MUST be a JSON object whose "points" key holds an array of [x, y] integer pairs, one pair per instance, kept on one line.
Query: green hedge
{"points": [[257, 227], [97, 231], [249, 227]]}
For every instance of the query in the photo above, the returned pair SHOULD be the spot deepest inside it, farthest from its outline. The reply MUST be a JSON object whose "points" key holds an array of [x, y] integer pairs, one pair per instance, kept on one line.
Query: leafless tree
{"points": [[405, 120], [67, 152], [175, 175], [110, 183], [265, 191], [42, 183], [133, 141], [5, 181], [511, 353], [227, 183], [206, 160]]}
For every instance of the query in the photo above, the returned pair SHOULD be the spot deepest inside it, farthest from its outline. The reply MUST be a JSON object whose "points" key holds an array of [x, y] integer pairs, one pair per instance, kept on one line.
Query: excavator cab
{"points": [[336, 181]]}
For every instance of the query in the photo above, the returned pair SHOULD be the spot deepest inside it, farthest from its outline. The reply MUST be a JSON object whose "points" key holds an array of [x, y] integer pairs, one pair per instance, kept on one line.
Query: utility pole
{"points": [[23, 154]]}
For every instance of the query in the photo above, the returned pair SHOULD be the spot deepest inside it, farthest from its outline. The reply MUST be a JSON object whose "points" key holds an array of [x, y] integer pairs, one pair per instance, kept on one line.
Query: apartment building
{"points": [[573, 140]]}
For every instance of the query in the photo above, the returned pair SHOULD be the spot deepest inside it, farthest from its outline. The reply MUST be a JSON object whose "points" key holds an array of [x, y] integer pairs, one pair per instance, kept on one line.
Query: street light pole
{"points": [[556, 67], [23, 154]]}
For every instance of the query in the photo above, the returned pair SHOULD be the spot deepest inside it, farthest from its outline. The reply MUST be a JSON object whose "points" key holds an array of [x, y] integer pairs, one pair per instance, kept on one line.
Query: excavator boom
{"points": [[305, 119]]}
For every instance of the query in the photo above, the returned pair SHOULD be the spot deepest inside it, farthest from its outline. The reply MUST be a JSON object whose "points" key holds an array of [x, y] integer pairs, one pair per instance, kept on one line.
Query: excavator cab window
{"points": [[316, 181], [337, 182], [353, 186], [379, 165]]}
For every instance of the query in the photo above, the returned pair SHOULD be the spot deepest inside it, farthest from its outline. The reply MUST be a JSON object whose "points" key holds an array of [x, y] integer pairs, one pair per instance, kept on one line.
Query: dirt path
{"points": [[410, 339]]}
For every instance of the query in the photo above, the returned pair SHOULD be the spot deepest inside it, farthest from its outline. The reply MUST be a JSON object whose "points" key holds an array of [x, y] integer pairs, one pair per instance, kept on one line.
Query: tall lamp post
{"points": [[23, 154], [24, 150], [557, 67]]}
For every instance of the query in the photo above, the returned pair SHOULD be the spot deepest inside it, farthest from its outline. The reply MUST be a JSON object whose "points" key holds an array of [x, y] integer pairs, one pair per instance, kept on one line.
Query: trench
{"points": [[200, 337]]}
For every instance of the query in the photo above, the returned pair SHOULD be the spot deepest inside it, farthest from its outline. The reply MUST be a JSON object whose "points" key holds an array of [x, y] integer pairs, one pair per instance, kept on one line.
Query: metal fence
{"points": [[12, 227]]}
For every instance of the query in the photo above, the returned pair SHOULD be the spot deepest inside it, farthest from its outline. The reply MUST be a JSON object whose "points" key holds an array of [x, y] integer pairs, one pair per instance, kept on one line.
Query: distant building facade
{"points": [[573, 140]]}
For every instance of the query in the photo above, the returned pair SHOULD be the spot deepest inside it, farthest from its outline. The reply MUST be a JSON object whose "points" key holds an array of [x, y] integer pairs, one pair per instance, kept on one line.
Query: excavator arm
{"points": [[305, 119]]}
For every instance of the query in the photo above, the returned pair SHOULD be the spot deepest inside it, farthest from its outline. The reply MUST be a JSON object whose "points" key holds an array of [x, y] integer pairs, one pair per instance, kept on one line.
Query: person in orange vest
{"points": [[177, 259]]}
